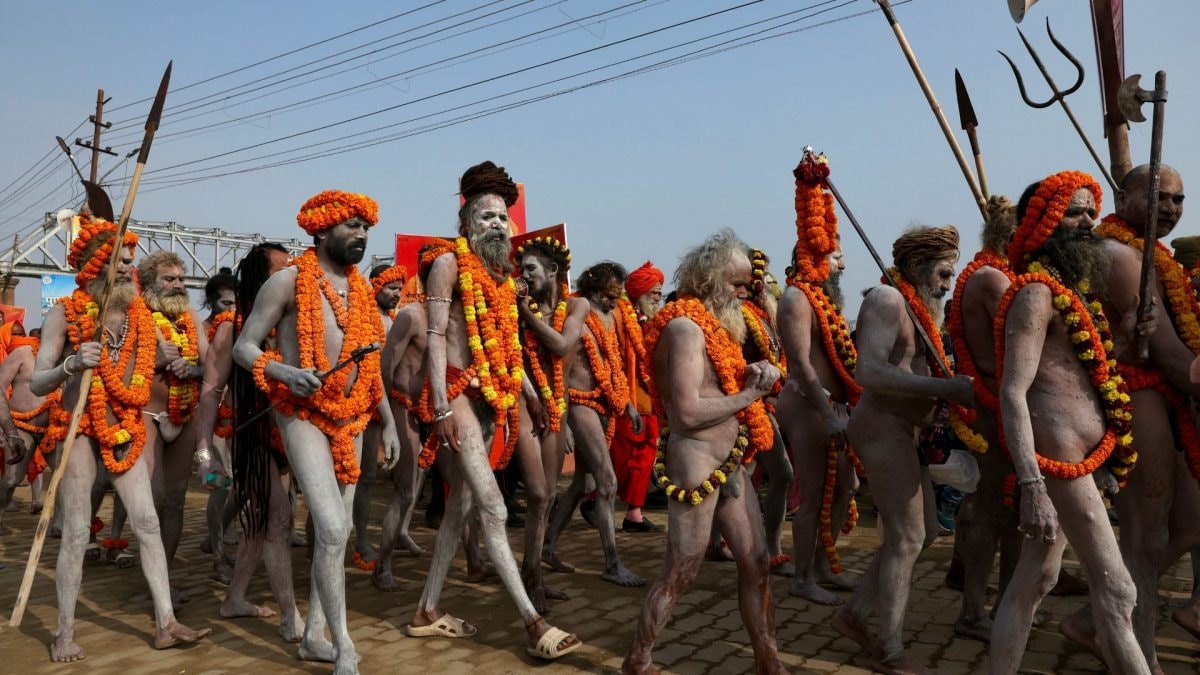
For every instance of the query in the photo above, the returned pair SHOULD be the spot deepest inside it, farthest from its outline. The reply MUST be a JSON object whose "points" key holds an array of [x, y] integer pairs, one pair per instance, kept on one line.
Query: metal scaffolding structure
{"points": [[206, 251]]}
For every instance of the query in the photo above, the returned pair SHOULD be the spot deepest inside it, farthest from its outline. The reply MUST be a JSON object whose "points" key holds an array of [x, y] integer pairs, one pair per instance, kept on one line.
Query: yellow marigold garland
{"points": [[728, 362], [182, 394], [719, 477]]}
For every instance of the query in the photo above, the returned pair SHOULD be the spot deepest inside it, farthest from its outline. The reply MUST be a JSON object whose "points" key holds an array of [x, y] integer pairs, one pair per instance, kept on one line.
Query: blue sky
{"points": [[638, 168]]}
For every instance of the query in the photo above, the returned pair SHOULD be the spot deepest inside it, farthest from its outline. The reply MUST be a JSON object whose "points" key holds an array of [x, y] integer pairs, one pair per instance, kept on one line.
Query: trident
{"points": [[1059, 96]]}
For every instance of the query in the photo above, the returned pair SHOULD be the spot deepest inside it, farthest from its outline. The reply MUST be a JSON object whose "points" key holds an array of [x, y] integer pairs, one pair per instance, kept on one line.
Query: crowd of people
{"points": [[740, 400]]}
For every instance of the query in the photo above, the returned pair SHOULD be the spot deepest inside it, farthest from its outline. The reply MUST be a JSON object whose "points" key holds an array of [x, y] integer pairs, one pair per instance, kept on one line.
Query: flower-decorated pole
{"points": [[43, 526], [933, 350]]}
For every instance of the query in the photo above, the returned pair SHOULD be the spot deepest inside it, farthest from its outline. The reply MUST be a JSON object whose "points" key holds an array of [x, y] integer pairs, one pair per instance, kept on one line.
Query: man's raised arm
{"points": [[559, 343], [269, 306]]}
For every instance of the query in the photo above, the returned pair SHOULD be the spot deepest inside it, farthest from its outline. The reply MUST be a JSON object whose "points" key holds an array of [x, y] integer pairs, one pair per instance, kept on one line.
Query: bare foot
{"points": [[479, 574], [621, 576], [346, 664], [367, 553], [1188, 620], [221, 572], [551, 559], [231, 609], [814, 593], [318, 649], [841, 582], [977, 629], [899, 665], [849, 626], [384, 580], [1075, 630], [409, 545], [176, 633], [553, 593], [291, 629], [638, 667], [784, 568], [64, 650]]}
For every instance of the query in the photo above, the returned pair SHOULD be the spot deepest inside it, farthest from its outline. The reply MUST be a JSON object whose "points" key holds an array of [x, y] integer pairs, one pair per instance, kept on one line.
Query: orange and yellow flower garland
{"points": [[611, 395], [627, 314], [182, 394], [551, 389], [108, 389], [1046, 210], [728, 362], [1088, 330], [720, 476], [835, 335], [1182, 304], [340, 416], [91, 269], [958, 414], [1180, 410], [962, 355]]}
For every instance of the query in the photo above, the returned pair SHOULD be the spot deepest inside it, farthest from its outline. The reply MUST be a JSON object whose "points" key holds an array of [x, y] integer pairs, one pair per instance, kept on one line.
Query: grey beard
{"points": [[728, 310], [171, 305], [934, 304], [647, 307], [494, 254], [122, 294], [833, 289]]}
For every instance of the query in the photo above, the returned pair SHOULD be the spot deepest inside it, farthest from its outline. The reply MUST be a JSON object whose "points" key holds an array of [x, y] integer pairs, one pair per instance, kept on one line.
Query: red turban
{"points": [[643, 279]]}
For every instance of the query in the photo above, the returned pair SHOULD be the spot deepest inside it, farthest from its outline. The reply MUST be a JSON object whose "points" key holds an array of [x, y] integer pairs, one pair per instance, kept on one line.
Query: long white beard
{"points": [[493, 253], [728, 310], [122, 295], [936, 309]]}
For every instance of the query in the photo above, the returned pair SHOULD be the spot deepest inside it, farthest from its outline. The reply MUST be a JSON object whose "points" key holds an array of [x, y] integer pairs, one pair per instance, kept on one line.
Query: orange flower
{"points": [[331, 207], [627, 314], [339, 415], [553, 392], [816, 221], [962, 355], [728, 362], [389, 276], [109, 392], [1180, 410], [1045, 212], [611, 395], [90, 269], [835, 335], [1089, 332]]}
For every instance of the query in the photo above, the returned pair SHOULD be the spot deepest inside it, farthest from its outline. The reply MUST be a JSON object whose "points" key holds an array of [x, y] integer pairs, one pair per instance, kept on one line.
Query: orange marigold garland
{"points": [[816, 221], [551, 388], [962, 355], [182, 395], [835, 335], [958, 414], [223, 427], [1182, 305], [108, 391], [1089, 332], [728, 362], [90, 269], [331, 207], [1180, 410], [627, 314], [340, 416], [611, 395], [393, 274]]}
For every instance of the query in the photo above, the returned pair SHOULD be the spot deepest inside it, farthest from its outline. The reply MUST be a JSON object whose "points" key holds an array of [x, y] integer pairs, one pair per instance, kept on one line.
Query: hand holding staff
{"points": [[43, 526]]}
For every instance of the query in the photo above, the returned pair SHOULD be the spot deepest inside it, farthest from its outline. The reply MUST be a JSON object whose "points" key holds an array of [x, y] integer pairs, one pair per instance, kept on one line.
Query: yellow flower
{"points": [[696, 498], [720, 476], [1126, 439], [708, 487], [1062, 302]]}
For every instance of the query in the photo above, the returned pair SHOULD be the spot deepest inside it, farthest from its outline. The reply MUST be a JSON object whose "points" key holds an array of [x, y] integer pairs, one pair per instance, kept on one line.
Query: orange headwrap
{"points": [[1045, 211], [332, 207], [90, 269], [389, 276], [642, 280], [816, 222]]}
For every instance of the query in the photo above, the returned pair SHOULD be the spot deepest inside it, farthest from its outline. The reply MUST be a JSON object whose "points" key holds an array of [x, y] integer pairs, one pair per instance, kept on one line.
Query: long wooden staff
{"points": [[39, 538], [980, 201]]}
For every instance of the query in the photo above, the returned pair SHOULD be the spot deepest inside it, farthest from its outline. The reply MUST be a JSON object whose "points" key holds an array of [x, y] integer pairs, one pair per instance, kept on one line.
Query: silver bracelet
{"points": [[431, 298], [202, 455], [1031, 481], [445, 414], [65, 367], [435, 332]]}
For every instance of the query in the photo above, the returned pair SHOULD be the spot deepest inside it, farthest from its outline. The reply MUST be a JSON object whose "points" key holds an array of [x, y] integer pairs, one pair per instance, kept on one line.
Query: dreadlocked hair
{"points": [[250, 447]]}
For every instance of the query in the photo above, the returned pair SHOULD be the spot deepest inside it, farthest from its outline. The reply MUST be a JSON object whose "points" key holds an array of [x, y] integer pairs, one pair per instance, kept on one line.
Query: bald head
{"points": [[1134, 192]]}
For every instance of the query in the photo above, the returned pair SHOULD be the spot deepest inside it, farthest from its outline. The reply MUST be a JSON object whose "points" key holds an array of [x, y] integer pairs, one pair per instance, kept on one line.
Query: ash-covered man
{"points": [[112, 432], [476, 382], [323, 312], [712, 401], [1159, 507], [901, 388], [24, 418], [552, 323], [1066, 414], [387, 282], [175, 390], [814, 405]]}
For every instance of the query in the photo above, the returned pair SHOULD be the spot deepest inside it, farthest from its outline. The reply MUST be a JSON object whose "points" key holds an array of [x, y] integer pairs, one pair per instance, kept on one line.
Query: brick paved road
{"points": [[116, 629]]}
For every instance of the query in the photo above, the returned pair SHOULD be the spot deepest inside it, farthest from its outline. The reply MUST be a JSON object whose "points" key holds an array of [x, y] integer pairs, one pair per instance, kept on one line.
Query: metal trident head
{"points": [[1059, 95]]}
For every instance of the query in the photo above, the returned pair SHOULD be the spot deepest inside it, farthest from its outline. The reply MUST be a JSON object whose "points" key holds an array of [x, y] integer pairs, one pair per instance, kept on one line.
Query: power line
{"points": [[423, 69], [728, 45], [461, 87], [194, 104], [286, 54]]}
